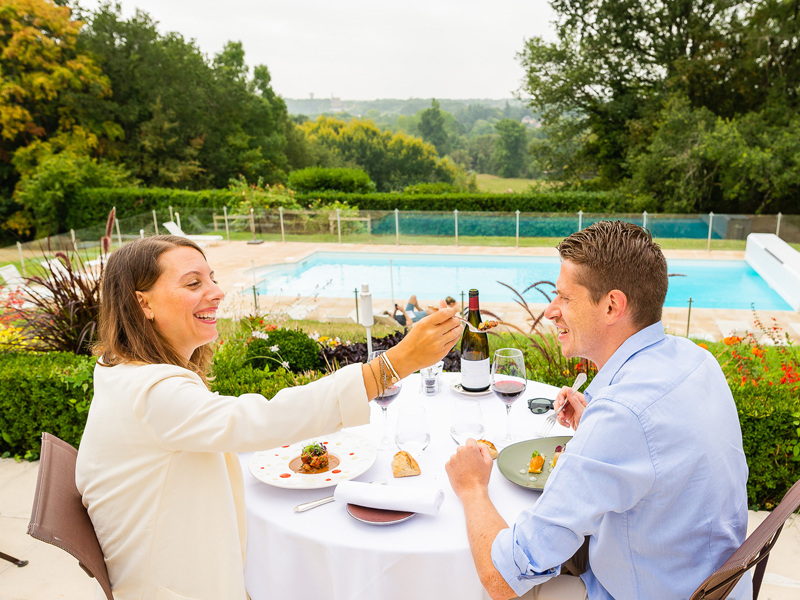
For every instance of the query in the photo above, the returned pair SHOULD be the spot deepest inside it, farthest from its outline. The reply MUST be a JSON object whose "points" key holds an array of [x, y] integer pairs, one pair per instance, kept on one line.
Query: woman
{"points": [[156, 466]]}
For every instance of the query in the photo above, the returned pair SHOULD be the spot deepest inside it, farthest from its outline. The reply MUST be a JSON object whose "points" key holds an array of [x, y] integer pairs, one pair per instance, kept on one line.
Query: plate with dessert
{"points": [[529, 463], [317, 463]]}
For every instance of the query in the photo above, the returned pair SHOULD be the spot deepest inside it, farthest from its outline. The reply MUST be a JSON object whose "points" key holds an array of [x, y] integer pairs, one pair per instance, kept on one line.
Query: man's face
{"points": [[580, 322]]}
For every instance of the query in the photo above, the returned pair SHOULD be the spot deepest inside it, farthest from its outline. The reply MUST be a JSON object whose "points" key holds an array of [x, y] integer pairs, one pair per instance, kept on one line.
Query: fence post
{"points": [[689, 317], [155, 222], [339, 224], [178, 221], [227, 229], [644, 220], [21, 259], [710, 226], [455, 212], [283, 231], [141, 233], [396, 227], [580, 220], [171, 216], [517, 244], [119, 237], [74, 245], [778, 228]]}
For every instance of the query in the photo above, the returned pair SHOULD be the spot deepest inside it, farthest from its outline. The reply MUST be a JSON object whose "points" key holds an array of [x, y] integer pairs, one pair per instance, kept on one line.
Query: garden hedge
{"points": [[52, 391], [49, 392], [97, 202]]}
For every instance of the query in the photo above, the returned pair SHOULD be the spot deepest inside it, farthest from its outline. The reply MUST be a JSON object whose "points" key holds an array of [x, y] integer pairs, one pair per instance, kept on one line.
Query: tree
{"points": [[431, 127], [511, 147], [47, 86], [392, 160]]}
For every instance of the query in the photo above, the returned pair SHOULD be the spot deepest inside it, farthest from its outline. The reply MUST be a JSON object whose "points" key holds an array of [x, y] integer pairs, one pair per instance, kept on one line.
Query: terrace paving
{"points": [[54, 574]]}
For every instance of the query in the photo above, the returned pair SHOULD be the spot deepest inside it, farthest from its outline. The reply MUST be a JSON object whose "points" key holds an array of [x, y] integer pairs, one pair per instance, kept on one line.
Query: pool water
{"points": [[710, 283]]}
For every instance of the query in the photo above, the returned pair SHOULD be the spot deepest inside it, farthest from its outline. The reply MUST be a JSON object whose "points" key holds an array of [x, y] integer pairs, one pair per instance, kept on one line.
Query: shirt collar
{"points": [[638, 341]]}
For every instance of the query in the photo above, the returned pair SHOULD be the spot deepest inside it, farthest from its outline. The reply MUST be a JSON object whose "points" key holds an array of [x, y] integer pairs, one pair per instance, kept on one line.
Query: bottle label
{"points": [[475, 374]]}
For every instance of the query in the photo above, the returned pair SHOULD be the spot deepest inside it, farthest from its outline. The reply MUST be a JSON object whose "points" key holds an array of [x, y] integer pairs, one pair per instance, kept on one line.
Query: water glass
{"points": [[467, 420], [430, 379], [413, 433]]}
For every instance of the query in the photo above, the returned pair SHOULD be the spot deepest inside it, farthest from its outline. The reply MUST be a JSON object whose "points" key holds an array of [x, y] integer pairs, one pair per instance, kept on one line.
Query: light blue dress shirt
{"points": [[655, 474]]}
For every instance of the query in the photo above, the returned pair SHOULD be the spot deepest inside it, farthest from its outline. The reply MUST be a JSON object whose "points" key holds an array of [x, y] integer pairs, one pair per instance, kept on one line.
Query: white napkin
{"points": [[390, 497]]}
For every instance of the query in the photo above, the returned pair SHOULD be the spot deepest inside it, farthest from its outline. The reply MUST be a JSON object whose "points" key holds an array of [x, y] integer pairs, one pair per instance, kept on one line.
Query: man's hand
{"points": [[469, 469], [576, 402]]}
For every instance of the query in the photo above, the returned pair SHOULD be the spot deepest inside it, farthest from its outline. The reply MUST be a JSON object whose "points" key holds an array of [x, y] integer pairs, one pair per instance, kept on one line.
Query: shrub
{"points": [[431, 188], [292, 349], [561, 201], [247, 380], [341, 355], [42, 392], [314, 179]]}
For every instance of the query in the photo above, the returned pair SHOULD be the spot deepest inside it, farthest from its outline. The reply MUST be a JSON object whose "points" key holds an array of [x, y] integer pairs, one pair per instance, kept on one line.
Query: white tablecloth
{"points": [[325, 554]]}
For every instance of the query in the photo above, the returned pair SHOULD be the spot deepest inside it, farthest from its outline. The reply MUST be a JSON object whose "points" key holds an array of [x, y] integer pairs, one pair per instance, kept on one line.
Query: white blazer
{"points": [[163, 487]]}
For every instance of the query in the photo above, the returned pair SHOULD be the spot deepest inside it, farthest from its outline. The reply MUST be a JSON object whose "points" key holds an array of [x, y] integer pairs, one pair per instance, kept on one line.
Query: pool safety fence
{"points": [[351, 225]]}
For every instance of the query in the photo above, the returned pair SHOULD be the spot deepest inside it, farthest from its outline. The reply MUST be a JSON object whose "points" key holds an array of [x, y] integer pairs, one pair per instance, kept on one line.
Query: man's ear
{"points": [[144, 305], [616, 306]]}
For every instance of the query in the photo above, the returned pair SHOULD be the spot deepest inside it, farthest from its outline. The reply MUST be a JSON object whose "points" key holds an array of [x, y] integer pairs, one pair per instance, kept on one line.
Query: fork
{"points": [[551, 420], [469, 325]]}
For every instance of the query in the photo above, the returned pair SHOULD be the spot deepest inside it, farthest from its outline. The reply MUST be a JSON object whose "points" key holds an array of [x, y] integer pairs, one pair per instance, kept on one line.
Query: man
{"points": [[413, 312], [655, 475]]}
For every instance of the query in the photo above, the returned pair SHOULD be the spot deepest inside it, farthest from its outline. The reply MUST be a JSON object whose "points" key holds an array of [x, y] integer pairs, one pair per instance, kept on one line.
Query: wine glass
{"points": [[384, 400], [413, 433], [508, 381]]}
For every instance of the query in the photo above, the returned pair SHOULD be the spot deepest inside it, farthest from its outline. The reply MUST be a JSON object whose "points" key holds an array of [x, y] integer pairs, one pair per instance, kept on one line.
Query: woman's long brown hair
{"points": [[125, 334]]}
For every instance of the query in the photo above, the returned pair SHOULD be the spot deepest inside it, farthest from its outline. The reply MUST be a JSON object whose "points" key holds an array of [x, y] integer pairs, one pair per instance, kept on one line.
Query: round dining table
{"points": [[326, 554]]}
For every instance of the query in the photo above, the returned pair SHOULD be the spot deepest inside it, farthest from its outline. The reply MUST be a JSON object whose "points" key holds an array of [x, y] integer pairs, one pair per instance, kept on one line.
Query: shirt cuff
{"points": [[513, 565], [353, 403]]}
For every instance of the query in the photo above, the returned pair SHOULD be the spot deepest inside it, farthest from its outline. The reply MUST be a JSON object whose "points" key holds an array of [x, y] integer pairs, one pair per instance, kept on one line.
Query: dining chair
{"points": [[59, 516], [754, 552], [12, 560]]}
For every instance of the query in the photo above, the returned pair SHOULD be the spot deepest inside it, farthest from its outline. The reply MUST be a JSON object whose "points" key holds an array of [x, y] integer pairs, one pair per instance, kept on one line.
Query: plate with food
{"points": [[317, 463], [530, 463]]}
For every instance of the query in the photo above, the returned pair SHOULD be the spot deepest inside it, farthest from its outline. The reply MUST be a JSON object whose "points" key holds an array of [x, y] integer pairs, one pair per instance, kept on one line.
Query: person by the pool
{"points": [[654, 481], [413, 313]]}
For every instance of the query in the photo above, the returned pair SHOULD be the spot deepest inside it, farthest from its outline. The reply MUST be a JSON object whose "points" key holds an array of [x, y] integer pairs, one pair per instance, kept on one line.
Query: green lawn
{"points": [[497, 185]]}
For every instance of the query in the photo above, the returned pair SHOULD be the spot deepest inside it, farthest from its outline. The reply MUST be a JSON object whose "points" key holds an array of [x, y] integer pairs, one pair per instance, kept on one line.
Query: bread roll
{"points": [[404, 465], [490, 446]]}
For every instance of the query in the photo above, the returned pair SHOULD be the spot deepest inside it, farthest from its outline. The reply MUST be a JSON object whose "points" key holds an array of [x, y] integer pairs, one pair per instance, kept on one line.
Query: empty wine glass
{"points": [[467, 420], [384, 400], [508, 381], [413, 433]]}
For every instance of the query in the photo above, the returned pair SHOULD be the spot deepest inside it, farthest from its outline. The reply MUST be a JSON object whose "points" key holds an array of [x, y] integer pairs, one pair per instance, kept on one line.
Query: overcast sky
{"points": [[364, 50]]}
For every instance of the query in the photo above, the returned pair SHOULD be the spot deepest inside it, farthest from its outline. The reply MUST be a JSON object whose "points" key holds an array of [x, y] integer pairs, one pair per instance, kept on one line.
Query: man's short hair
{"points": [[615, 255], [449, 300]]}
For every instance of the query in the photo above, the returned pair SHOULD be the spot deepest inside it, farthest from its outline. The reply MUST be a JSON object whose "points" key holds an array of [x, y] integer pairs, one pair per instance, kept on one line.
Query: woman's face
{"points": [[183, 301]]}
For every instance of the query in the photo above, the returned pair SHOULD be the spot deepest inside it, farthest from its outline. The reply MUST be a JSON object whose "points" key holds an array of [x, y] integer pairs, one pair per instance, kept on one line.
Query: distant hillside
{"points": [[318, 106]]}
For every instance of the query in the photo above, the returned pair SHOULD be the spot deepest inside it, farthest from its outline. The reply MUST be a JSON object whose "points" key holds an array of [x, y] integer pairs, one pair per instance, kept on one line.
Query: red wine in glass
{"points": [[508, 391], [389, 394]]}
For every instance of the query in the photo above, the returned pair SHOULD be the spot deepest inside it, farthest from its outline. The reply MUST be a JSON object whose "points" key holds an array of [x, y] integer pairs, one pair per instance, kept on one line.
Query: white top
{"points": [[165, 496]]}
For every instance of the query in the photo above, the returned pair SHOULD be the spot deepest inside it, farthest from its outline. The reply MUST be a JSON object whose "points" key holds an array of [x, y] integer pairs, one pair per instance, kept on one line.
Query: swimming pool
{"points": [[710, 283]]}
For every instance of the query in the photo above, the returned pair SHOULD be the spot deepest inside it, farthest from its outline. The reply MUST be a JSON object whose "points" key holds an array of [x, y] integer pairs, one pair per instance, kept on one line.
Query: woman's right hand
{"points": [[426, 343]]}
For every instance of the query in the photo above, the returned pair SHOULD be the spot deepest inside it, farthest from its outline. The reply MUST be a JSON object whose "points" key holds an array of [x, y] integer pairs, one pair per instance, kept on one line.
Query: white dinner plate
{"points": [[455, 384], [356, 454]]}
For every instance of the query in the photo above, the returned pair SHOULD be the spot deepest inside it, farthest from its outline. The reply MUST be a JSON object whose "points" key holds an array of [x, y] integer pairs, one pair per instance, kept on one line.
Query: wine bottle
{"points": [[474, 351]]}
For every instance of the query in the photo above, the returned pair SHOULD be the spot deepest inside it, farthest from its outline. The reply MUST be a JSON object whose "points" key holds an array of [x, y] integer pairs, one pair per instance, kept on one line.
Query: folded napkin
{"points": [[390, 497]]}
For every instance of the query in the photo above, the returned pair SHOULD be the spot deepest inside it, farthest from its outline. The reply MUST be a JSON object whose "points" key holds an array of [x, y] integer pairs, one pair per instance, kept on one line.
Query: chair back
{"points": [[754, 552], [58, 515]]}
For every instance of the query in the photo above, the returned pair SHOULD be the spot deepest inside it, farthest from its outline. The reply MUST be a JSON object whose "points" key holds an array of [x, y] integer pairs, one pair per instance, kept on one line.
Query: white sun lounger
{"points": [[739, 329], [16, 282], [200, 240]]}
